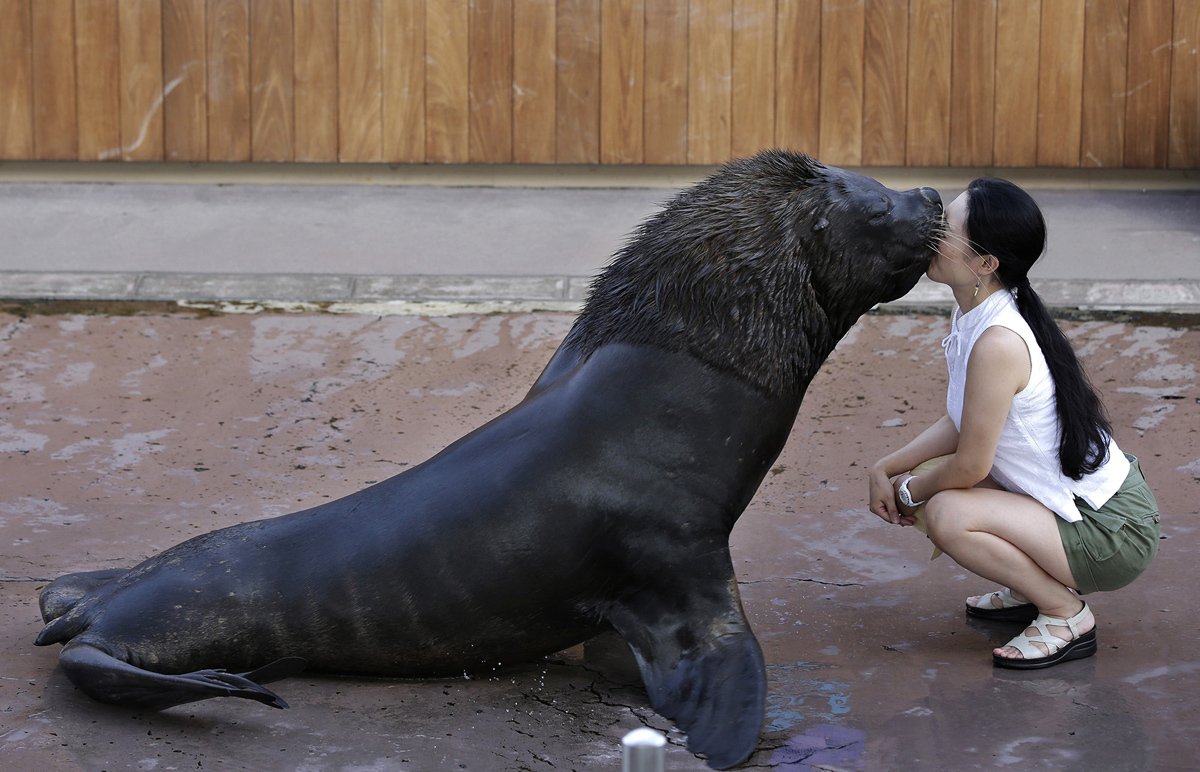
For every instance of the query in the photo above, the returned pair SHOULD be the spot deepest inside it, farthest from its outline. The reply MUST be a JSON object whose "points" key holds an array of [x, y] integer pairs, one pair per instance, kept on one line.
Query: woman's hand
{"points": [[883, 496]]}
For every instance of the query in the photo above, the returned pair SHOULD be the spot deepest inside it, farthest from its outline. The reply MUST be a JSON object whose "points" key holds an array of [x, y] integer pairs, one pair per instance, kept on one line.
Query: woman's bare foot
{"points": [[1061, 632]]}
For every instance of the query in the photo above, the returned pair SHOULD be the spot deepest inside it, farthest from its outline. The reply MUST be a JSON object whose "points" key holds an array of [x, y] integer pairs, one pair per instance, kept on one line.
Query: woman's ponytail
{"points": [[1004, 221]]}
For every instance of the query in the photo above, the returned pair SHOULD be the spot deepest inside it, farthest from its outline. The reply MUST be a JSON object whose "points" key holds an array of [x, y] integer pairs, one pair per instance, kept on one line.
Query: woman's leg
{"points": [[1010, 539]]}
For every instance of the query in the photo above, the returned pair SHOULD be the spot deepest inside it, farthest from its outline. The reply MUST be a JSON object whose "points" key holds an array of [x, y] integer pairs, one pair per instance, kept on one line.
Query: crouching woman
{"points": [[1031, 491]]}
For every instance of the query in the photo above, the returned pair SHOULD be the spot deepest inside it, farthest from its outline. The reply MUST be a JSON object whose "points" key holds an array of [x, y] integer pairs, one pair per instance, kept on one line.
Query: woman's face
{"points": [[955, 263]]}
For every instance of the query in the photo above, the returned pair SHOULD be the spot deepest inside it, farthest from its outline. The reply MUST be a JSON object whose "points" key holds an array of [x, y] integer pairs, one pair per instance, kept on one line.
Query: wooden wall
{"points": [[1064, 83]]}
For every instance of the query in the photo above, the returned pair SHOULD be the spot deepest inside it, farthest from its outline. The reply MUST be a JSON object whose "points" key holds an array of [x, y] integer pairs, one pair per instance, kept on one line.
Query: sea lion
{"points": [[605, 498]]}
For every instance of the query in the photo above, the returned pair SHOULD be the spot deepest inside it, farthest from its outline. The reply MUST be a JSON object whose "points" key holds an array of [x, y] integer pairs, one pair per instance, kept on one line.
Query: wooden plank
{"points": [[490, 81], [842, 27], [710, 80], [360, 81], [98, 79], [753, 123], [228, 80], [1184, 143], [447, 86], [404, 81], [577, 124], [622, 81], [140, 34], [973, 83], [798, 75], [1060, 92], [534, 81], [16, 81], [1148, 84], [1018, 43], [271, 79], [666, 96], [315, 73], [1105, 48], [185, 98], [930, 44], [54, 116], [885, 82]]}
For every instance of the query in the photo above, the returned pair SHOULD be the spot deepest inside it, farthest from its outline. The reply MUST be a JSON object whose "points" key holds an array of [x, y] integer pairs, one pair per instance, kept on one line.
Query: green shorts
{"points": [[1112, 546]]}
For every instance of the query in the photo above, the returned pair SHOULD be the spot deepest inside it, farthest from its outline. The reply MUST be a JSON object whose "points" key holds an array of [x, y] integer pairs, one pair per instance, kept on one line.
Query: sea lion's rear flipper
{"points": [[61, 595], [108, 679], [700, 662]]}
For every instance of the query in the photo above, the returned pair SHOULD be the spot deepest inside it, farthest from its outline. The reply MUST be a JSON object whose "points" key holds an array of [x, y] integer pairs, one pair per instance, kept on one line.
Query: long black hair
{"points": [[1004, 221]]}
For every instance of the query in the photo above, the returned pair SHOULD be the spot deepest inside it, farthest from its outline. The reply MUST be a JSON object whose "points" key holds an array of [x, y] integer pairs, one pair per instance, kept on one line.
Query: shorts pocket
{"points": [[1118, 556]]}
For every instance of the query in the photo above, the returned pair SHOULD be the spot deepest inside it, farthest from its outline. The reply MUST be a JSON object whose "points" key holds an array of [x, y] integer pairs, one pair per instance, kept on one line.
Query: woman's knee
{"points": [[942, 518]]}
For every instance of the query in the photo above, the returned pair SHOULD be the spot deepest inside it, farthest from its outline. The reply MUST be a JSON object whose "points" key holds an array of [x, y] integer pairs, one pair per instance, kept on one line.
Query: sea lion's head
{"points": [[761, 268]]}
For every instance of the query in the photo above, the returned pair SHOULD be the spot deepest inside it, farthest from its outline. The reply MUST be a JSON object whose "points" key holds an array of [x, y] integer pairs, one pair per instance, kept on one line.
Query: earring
{"points": [[976, 290]]}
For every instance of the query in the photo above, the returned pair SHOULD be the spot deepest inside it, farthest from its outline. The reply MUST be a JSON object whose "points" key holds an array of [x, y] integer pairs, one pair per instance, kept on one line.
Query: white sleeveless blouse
{"points": [[1027, 456]]}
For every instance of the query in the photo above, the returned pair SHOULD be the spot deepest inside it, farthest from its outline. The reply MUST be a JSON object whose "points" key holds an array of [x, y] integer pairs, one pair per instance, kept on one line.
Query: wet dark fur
{"points": [[758, 271]]}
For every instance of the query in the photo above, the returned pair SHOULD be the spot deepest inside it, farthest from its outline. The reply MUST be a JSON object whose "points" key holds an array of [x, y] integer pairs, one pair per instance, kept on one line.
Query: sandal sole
{"points": [[1080, 648], [1026, 612]]}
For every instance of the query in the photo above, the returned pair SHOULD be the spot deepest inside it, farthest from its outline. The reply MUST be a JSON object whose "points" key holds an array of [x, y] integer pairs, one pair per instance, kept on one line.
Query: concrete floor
{"points": [[122, 435]]}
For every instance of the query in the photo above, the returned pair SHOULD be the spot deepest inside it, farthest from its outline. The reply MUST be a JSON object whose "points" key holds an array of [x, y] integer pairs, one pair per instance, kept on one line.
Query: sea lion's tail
{"points": [[108, 679]]}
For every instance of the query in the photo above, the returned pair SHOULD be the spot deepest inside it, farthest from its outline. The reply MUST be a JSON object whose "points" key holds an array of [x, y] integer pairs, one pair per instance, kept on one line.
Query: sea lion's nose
{"points": [[931, 195]]}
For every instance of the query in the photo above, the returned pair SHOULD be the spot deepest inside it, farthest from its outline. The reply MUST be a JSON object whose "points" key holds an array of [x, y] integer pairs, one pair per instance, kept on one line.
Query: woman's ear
{"points": [[989, 264]]}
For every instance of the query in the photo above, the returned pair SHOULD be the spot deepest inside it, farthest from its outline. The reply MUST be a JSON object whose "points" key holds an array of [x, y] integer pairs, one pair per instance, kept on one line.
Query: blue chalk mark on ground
{"points": [[786, 701], [825, 745]]}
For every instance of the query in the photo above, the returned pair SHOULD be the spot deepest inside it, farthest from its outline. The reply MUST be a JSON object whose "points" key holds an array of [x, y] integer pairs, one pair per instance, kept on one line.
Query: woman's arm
{"points": [[997, 370], [940, 439]]}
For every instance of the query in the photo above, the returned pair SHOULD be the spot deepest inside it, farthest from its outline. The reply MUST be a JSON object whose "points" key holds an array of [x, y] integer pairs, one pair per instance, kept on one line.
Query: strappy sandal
{"points": [[1010, 610], [1060, 651]]}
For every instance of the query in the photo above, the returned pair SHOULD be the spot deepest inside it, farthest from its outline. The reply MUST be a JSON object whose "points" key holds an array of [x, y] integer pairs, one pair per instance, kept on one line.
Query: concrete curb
{"points": [[439, 294]]}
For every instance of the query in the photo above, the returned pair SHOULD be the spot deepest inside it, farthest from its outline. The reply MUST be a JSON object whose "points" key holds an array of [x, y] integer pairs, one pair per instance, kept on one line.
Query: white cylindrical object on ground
{"points": [[643, 750]]}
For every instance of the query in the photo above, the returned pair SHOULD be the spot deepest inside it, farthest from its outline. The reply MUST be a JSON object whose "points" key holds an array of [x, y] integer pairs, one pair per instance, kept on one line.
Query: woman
{"points": [[1034, 494]]}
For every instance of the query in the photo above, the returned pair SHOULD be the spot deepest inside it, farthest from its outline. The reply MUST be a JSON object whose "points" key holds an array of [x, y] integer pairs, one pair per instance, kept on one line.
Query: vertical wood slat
{"points": [[16, 81], [1184, 142], [98, 79], [54, 116], [930, 43], [753, 109], [798, 75], [622, 81], [185, 97], [1060, 94], [490, 81], [271, 81], [710, 80], [842, 29], [534, 76], [666, 95], [140, 34], [885, 82], [577, 125], [404, 81], [1105, 47], [1148, 84], [1018, 42], [360, 109], [973, 83], [315, 79], [228, 40], [447, 76]]}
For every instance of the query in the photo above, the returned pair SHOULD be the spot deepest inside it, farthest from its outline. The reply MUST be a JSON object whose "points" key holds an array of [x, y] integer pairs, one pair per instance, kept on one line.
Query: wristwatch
{"points": [[905, 497]]}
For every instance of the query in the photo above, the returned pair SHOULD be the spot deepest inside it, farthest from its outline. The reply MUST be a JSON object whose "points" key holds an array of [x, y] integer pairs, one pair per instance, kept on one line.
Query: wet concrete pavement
{"points": [[123, 435]]}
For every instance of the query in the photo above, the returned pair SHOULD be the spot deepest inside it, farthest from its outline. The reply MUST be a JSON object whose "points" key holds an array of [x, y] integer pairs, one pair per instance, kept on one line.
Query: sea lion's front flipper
{"points": [[700, 662], [108, 679]]}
